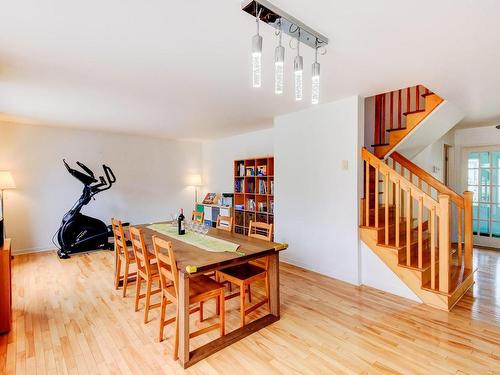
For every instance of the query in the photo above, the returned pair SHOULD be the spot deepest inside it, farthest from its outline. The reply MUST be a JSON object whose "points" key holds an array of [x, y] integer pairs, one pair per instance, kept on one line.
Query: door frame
{"points": [[478, 240]]}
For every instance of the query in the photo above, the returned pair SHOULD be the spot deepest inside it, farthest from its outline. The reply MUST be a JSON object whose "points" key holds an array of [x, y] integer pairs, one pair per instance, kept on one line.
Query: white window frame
{"points": [[479, 240]]}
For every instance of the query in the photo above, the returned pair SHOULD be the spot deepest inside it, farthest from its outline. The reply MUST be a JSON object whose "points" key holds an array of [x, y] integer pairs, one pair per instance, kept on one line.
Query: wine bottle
{"points": [[180, 223]]}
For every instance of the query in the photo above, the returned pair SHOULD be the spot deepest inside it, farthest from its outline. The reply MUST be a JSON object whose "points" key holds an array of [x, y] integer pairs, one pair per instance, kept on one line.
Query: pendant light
{"points": [[298, 67], [257, 54], [279, 60], [315, 77]]}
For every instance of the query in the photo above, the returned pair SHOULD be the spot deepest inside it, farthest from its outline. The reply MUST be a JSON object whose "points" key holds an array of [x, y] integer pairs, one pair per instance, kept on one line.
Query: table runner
{"points": [[199, 240]]}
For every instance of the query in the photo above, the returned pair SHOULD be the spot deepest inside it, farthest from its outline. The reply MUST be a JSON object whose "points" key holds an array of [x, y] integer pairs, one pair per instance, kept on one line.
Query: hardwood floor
{"points": [[68, 318]]}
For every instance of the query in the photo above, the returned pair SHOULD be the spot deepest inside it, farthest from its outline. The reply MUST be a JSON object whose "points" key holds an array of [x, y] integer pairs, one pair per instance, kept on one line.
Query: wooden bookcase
{"points": [[253, 192]]}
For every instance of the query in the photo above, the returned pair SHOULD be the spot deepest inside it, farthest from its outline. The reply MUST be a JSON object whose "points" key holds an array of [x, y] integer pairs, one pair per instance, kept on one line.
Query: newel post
{"points": [[468, 235], [444, 242]]}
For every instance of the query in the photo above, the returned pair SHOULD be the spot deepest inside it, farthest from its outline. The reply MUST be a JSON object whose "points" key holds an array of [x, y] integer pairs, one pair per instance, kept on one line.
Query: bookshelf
{"points": [[253, 192]]}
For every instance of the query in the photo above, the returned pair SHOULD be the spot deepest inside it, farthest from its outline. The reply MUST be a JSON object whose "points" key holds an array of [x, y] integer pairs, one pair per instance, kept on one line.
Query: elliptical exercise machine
{"points": [[78, 232]]}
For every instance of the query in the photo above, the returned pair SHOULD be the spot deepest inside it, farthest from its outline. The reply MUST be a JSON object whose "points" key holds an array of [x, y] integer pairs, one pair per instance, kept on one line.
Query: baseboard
{"points": [[32, 250], [308, 268]]}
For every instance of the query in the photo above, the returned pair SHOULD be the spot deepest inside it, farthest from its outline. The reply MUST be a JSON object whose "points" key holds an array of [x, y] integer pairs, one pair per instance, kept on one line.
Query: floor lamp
{"points": [[6, 182], [195, 180]]}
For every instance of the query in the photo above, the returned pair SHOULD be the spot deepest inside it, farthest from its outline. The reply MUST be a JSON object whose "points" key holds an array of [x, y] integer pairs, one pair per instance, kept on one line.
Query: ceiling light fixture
{"points": [[257, 53], [315, 78], [298, 69], [279, 61], [266, 12]]}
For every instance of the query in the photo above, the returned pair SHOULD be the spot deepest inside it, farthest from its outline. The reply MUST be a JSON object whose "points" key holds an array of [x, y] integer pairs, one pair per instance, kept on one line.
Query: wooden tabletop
{"points": [[206, 261]]}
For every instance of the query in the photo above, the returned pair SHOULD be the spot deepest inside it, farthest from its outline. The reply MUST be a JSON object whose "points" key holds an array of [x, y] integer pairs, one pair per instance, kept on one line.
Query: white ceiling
{"points": [[181, 69]]}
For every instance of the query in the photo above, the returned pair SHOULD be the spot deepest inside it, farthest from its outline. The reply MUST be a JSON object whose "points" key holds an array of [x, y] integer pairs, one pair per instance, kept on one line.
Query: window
{"points": [[483, 179]]}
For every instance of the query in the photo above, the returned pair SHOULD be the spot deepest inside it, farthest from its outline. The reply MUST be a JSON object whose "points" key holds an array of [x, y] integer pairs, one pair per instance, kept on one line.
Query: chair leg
{"points": [[148, 298], [125, 279], [176, 339], [217, 306], [137, 291], [162, 317], [266, 281], [242, 305], [222, 313], [249, 294], [201, 311], [118, 270]]}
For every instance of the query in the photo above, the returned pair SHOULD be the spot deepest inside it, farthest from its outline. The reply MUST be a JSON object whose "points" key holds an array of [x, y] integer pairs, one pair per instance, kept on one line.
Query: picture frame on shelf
{"points": [[210, 198]]}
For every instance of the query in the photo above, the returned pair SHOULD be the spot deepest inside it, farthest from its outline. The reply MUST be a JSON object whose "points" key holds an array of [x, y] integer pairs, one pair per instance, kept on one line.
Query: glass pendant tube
{"points": [[315, 78], [298, 68], [257, 55], [279, 60]]}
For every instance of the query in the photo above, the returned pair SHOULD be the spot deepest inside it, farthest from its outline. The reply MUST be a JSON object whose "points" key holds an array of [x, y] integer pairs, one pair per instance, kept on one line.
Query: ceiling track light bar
{"points": [[272, 15]]}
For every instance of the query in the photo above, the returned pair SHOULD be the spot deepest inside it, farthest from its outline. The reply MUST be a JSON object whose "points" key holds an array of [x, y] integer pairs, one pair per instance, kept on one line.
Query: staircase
{"points": [[399, 112], [420, 228]]}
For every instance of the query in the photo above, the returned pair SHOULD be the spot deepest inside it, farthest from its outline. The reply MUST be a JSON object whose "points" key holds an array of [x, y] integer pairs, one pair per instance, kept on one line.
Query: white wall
{"points": [[218, 157], [431, 159], [151, 178], [316, 200], [375, 273]]}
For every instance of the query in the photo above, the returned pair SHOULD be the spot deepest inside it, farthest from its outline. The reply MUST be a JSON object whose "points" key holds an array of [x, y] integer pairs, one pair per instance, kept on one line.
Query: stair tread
{"points": [[415, 111], [458, 274], [393, 130]]}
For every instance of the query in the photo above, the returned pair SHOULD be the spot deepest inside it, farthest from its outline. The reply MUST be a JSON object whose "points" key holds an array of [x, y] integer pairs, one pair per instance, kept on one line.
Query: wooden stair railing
{"points": [[391, 109], [397, 205], [397, 113]]}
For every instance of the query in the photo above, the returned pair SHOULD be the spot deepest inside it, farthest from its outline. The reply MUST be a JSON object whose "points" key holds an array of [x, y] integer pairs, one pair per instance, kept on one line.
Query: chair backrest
{"points": [[198, 216], [167, 266], [140, 250], [225, 223], [120, 240], [260, 230]]}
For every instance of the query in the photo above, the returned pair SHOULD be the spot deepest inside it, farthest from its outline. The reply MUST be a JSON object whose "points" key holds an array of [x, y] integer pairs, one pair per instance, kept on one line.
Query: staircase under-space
{"points": [[409, 219]]}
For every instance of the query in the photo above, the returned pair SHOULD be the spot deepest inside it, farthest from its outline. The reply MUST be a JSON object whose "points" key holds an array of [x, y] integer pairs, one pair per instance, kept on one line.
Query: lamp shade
{"points": [[6, 180], [194, 180]]}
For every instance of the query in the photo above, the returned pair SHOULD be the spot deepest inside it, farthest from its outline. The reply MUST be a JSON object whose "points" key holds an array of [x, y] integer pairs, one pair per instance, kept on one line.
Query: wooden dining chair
{"points": [[123, 254], [201, 289], [246, 274], [146, 270], [198, 216], [225, 223]]}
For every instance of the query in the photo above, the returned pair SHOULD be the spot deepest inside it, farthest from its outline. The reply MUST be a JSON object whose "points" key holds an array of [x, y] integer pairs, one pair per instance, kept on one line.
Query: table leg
{"points": [[183, 319], [274, 284]]}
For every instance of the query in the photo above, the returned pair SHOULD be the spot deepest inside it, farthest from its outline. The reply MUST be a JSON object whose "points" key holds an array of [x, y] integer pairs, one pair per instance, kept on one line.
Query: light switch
{"points": [[344, 165]]}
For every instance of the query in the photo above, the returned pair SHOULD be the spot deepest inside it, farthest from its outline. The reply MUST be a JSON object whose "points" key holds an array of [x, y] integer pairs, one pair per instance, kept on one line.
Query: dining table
{"points": [[193, 260]]}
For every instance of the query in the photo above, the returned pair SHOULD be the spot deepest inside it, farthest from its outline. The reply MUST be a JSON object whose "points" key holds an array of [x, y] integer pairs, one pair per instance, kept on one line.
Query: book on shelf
{"points": [[250, 204], [239, 207], [237, 186], [262, 170], [250, 171], [262, 206], [240, 170], [262, 187], [272, 187], [271, 206], [251, 187]]}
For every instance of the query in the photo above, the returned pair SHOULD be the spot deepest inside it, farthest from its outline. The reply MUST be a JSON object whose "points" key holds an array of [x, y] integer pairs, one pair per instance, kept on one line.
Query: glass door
{"points": [[483, 179]]}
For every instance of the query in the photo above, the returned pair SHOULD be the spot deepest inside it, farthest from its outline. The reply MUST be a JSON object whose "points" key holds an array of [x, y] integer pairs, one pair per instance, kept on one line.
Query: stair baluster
{"points": [[433, 247], [386, 199], [468, 229], [444, 243]]}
